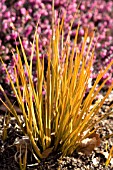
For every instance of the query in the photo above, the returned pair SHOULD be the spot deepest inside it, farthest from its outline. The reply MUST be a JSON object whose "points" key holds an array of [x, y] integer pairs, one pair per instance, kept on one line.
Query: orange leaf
{"points": [[46, 153]]}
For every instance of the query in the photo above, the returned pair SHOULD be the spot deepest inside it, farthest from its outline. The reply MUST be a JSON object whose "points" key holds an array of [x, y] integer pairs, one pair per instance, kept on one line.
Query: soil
{"points": [[9, 153]]}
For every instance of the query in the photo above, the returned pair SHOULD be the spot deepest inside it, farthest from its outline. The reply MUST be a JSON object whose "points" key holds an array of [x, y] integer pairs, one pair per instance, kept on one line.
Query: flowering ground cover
{"points": [[20, 18]]}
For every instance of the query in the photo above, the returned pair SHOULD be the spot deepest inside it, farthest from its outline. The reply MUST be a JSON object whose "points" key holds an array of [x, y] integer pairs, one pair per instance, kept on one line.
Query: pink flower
{"points": [[14, 34], [7, 14], [28, 30], [23, 11]]}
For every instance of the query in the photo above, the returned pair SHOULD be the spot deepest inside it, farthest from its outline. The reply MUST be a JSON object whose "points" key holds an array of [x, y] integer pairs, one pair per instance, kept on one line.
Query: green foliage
{"points": [[61, 120]]}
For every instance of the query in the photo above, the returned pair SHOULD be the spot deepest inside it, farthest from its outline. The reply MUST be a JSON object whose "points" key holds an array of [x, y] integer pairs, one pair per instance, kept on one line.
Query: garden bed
{"points": [[96, 160]]}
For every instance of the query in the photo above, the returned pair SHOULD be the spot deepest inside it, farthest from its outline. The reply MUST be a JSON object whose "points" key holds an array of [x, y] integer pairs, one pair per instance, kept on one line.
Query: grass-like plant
{"points": [[60, 119]]}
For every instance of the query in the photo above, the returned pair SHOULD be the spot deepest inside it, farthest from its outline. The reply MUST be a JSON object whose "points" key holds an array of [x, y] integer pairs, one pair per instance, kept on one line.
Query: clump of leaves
{"points": [[60, 119]]}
